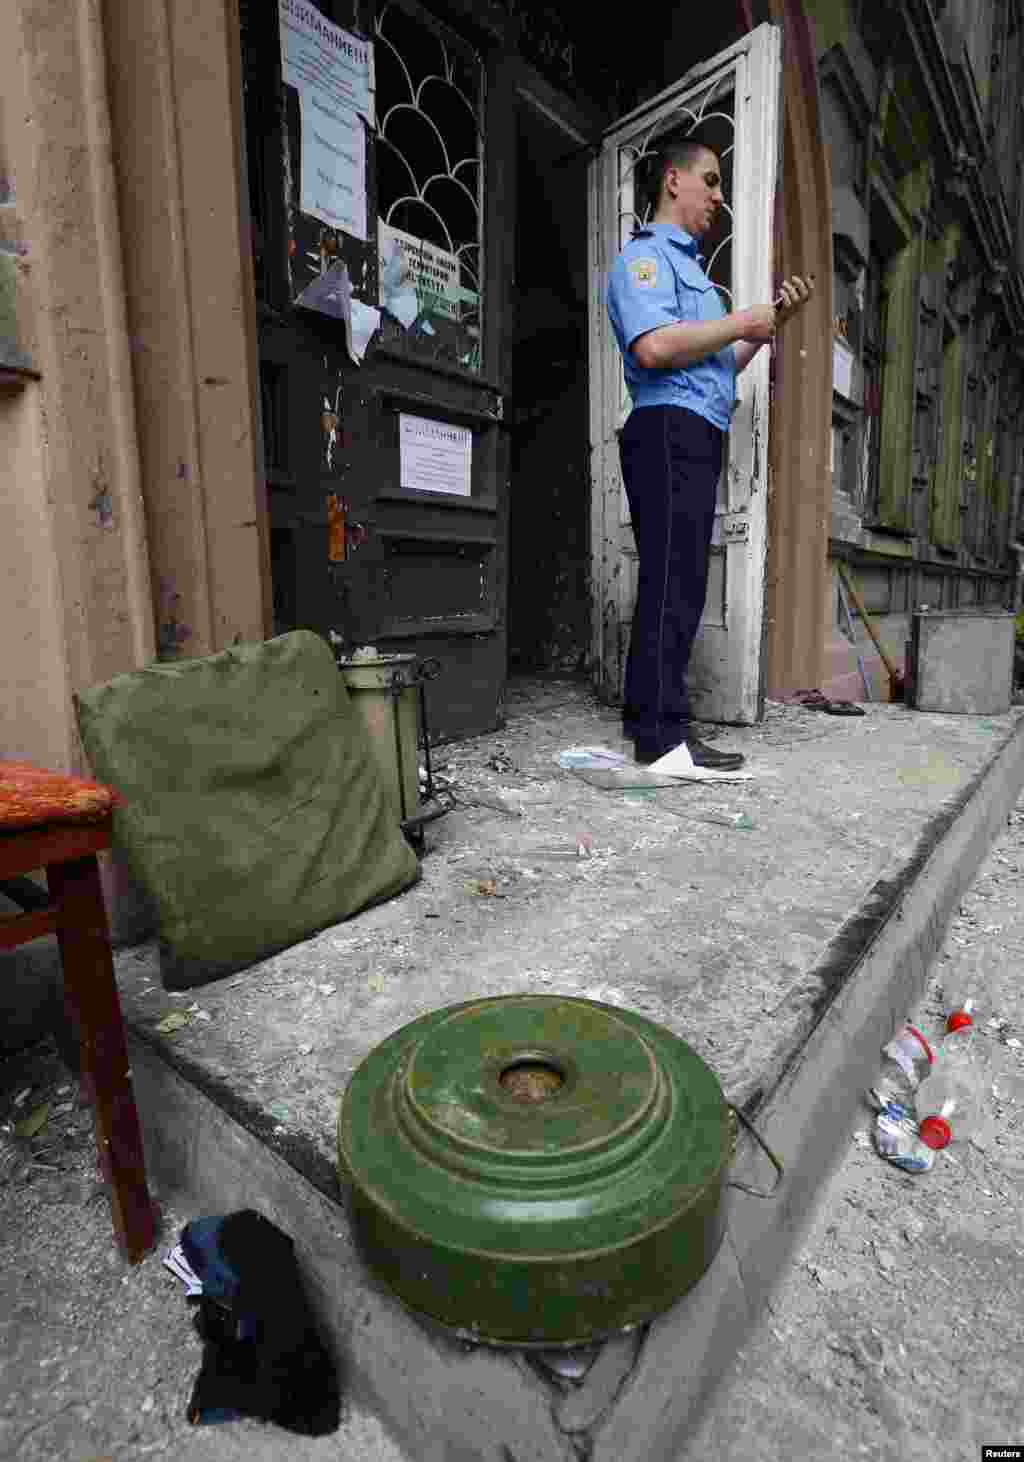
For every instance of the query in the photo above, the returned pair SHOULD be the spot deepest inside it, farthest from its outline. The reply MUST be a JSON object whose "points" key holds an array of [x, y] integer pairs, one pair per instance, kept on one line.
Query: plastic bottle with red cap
{"points": [[948, 1104], [948, 1101], [961, 1010], [906, 1061]]}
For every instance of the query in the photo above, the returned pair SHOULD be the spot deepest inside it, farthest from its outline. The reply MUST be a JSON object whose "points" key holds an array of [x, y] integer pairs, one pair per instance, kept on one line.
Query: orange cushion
{"points": [[30, 796]]}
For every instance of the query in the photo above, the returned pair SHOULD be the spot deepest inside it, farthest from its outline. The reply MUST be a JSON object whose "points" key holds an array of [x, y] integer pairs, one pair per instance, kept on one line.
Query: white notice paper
{"points": [[331, 70], [842, 369], [435, 456], [365, 323], [431, 275]]}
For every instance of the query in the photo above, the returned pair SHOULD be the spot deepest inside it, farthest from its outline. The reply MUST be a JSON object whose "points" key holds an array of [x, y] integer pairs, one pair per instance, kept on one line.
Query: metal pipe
{"points": [[853, 638], [396, 692]]}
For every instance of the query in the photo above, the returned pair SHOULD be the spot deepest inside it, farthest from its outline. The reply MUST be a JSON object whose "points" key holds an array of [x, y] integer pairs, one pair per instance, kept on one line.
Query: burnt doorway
{"points": [[549, 509]]}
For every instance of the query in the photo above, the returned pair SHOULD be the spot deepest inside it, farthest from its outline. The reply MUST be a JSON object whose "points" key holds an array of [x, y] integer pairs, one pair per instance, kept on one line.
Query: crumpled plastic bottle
{"points": [[898, 1140], [906, 1061]]}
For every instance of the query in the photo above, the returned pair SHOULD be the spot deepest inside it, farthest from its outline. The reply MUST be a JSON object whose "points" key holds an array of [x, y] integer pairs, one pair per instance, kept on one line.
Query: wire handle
{"points": [[775, 1162]]}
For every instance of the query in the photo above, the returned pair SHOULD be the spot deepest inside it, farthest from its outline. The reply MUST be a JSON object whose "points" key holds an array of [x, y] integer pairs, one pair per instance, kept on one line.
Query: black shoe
{"points": [[707, 756], [648, 749]]}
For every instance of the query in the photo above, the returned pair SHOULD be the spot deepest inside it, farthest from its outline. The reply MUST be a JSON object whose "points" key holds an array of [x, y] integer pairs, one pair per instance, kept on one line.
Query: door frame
{"points": [[727, 681]]}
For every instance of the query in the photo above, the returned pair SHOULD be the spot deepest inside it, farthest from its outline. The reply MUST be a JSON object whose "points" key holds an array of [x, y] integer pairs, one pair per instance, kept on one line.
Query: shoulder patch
{"points": [[643, 272]]}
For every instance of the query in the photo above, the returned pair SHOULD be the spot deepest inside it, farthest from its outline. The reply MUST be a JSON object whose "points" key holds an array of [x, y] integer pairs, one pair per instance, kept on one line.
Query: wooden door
{"points": [[387, 478]]}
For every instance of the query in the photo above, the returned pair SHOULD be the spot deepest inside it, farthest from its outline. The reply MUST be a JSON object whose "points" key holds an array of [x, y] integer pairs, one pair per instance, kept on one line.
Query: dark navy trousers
{"points": [[671, 461]]}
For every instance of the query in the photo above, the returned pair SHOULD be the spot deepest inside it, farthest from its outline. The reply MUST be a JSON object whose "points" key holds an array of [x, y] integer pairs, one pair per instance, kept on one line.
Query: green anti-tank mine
{"points": [[536, 1170]]}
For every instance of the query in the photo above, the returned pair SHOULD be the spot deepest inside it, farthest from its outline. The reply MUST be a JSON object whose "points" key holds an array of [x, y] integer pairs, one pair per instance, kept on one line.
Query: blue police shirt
{"points": [[658, 280]]}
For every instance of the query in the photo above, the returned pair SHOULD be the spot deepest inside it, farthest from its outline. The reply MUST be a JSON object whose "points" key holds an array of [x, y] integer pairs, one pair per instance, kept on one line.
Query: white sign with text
{"points": [[332, 71], [435, 456]]}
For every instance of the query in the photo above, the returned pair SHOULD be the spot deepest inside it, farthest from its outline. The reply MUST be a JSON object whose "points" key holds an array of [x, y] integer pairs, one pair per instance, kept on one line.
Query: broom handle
{"points": [[858, 604]]}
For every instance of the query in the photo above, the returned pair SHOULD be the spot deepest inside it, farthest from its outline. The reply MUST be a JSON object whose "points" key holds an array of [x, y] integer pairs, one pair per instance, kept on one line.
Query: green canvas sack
{"points": [[253, 811]]}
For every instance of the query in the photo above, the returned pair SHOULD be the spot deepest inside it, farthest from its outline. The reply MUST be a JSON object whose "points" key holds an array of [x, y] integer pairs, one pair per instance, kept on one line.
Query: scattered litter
{"points": [[591, 758], [815, 700], [600, 766], [679, 763], [22, 1096], [862, 1138], [573, 1364], [729, 819], [175, 1261], [306, 1050], [280, 1111], [327, 989], [487, 887], [13, 1157], [639, 794], [897, 1140], [832, 1279], [500, 762], [906, 1061], [171, 1023], [376, 983], [34, 1123], [483, 799], [584, 845]]}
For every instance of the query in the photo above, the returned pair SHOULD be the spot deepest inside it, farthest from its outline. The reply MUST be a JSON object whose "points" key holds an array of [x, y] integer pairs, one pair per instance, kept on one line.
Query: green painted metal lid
{"points": [[536, 1170]]}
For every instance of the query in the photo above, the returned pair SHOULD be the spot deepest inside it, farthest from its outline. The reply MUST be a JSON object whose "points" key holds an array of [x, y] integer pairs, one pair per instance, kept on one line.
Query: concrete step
{"points": [[218, 1138]]}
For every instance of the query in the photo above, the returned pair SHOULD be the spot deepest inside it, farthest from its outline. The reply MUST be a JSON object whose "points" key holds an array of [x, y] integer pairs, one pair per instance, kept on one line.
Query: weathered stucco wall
{"points": [[175, 103], [128, 470], [73, 561], [920, 117]]}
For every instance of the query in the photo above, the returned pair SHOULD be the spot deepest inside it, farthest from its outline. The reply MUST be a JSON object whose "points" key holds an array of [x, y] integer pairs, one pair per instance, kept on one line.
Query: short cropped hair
{"points": [[673, 152]]}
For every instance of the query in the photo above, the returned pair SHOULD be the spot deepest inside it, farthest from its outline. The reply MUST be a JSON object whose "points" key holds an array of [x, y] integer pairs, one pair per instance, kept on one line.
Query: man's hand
{"points": [[793, 295], [758, 324], [674, 347]]}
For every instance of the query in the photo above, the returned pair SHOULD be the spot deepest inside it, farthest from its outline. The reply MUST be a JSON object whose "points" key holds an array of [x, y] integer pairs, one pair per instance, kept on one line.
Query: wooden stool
{"points": [[60, 823]]}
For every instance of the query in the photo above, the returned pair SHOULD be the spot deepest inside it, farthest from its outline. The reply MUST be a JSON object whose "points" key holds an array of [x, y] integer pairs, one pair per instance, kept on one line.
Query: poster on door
{"points": [[332, 71], [418, 278], [435, 456]]}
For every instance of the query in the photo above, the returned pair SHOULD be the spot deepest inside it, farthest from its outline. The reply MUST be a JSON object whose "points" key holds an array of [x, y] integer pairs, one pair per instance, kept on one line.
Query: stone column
{"points": [[74, 568]]}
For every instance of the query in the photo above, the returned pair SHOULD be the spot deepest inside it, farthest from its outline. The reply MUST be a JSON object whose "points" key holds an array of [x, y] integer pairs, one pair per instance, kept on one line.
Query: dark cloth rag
{"points": [[263, 1355]]}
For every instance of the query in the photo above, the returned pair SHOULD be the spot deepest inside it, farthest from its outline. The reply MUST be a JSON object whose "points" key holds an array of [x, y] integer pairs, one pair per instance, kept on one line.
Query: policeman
{"points": [[681, 353]]}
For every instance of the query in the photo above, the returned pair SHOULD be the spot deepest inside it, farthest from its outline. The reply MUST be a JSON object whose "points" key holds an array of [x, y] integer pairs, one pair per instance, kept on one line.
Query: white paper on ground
{"points": [[679, 763]]}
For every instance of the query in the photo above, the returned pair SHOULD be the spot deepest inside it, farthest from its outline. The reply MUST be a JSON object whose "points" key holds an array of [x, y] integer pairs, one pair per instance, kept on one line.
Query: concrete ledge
{"points": [[807, 1116], [444, 1403]]}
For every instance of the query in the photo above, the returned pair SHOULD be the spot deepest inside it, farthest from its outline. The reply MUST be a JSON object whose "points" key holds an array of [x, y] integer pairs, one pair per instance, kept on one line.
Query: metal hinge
{"points": [[736, 528]]}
